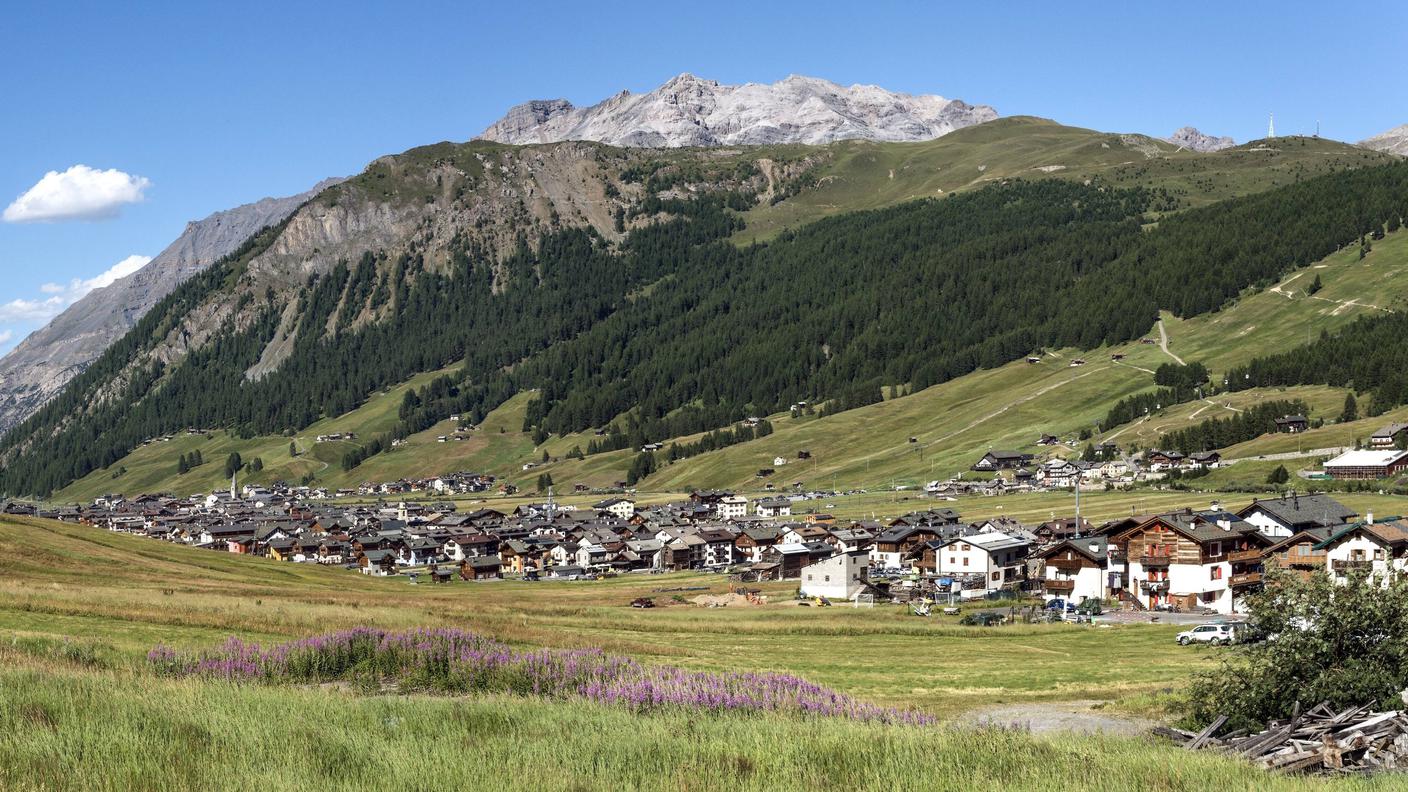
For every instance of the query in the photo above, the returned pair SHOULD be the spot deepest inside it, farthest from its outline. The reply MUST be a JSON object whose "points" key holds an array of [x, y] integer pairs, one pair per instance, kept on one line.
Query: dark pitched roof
{"points": [[1299, 511]]}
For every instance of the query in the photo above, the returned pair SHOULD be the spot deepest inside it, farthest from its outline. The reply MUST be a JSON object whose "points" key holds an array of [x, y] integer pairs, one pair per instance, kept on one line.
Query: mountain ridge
{"points": [[1191, 138], [1392, 141], [45, 360], [529, 247], [690, 111]]}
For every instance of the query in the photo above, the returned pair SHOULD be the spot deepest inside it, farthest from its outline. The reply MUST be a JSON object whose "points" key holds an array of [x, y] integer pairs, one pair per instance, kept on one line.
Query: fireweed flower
{"points": [[454, 660]]}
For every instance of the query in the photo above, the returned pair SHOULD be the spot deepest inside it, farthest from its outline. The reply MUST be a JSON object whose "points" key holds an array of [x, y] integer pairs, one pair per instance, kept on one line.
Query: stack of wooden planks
{"points": [[1320, 740]]}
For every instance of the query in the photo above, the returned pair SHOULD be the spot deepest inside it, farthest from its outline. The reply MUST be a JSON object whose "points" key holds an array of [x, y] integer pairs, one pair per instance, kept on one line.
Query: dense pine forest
{"points": [[1369, 356], [686, 332]]}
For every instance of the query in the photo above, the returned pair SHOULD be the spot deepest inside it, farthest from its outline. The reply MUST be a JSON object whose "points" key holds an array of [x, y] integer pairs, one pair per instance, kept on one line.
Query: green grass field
{"points": [[126, 593], [78, 709], [138, 733]]}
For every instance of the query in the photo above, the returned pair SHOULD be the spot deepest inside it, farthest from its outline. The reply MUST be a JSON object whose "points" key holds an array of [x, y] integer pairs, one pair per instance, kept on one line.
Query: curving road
{"points": [[1163, 343]]}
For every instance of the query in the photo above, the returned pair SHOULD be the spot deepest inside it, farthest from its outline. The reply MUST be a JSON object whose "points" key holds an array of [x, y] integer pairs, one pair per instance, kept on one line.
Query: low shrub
{"points": [[455, 661]]}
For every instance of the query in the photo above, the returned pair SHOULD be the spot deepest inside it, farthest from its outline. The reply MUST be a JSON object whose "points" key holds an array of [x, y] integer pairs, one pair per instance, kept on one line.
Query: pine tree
{"points": [[1315, 285], [544, 481], [233, 463], [182, 466], [643, 465], [1351, 409], [292, 448], [1279, 476]]}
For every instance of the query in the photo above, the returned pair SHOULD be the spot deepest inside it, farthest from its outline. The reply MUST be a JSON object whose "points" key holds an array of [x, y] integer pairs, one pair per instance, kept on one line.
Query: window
{"points": [[953, 560], [965, 548], [1378, 555], [1215, 548], [1217, 573], [965, 561], [996, 576], [827, 579], [1303, 549]]}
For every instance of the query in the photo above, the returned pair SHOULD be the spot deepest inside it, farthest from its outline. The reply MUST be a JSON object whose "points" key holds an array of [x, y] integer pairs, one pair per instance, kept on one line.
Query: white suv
{"points": [[1214, 634]]}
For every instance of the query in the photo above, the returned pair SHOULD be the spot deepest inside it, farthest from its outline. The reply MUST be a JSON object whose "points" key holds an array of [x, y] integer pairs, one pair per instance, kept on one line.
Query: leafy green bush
{"points": [[1311, 640]]}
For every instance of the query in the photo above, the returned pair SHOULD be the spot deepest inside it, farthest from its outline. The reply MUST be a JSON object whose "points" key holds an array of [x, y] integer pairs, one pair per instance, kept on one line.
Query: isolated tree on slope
{"points": [[1351, 409], [1279, 476]]}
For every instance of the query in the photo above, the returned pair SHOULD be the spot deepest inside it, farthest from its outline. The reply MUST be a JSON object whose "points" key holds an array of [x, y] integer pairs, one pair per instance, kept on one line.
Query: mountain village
{"points": [[1202, 561]]}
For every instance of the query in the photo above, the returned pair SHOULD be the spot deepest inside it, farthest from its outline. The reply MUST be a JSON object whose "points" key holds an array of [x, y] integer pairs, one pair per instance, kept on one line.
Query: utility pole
{"points": [[1077, 505]]}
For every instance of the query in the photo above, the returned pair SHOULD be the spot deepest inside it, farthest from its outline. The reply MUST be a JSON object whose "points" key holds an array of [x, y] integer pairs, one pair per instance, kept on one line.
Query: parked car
{"points": [[1214, 634]]}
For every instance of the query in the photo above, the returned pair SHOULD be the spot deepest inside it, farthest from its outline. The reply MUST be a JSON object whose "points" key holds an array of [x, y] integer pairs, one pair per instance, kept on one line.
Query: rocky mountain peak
{"points": [[692, 111], [1394, 141], [1190, 138]]}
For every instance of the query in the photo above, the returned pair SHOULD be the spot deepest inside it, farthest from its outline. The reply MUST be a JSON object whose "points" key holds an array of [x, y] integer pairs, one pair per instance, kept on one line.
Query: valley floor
{"points": [[79, 709]]}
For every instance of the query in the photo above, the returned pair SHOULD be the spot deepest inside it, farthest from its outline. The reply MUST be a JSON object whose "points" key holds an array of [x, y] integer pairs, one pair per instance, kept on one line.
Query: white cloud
{"points": [[79, 193], [32, 310], [78, 287], [63, 295]]}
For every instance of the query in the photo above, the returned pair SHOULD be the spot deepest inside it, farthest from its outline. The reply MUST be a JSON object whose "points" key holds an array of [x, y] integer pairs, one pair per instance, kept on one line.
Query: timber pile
{"points": [[1320, 740]]}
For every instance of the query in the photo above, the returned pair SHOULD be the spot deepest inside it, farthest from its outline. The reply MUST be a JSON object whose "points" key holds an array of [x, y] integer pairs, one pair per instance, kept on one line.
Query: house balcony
{"points": [[1307, 561], [1154, 586], [1057, 586], [1238, 556], [1348, 564], [1149, 560], [1244, 579]]}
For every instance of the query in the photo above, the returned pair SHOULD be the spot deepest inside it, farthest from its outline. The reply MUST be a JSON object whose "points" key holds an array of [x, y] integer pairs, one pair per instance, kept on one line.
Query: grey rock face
{"points": [[1394, 141], [1191, 138], [36, 369], [689, 111]]}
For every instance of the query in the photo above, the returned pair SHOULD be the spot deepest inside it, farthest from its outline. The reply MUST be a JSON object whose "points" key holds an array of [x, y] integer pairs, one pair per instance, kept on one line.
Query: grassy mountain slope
{"points": [[979, 268], [1010, 407], [955, 422], [866, 175]]}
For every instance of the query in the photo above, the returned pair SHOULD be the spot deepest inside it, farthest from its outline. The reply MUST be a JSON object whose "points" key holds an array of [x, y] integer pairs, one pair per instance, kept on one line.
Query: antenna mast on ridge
{"points": [[1271, 127]]}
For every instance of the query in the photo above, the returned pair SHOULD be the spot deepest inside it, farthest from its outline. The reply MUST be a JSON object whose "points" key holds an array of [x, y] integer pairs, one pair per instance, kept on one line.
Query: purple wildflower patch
{"points": [[456, 661]]}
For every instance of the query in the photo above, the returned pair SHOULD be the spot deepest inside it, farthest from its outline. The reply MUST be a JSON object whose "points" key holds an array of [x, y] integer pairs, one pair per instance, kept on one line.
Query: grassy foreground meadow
{"points": [[72, 729], [80, 707]]}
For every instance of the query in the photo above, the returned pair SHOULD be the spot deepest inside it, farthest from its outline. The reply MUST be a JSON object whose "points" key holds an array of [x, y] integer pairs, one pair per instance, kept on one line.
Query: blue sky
{"points": [[217, 105]]}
